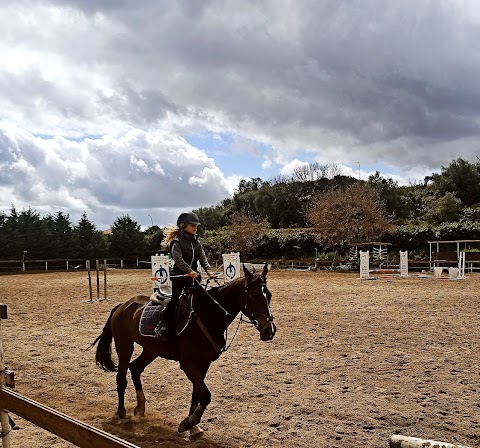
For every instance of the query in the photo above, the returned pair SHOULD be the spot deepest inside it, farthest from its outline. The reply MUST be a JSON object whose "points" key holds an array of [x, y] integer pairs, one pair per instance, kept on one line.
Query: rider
{"points": [[186, 252]]}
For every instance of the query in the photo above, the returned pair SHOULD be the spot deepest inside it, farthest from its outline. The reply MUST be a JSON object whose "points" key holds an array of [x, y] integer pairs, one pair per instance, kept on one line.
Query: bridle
{"points": [[245, 310], [247, 307]]}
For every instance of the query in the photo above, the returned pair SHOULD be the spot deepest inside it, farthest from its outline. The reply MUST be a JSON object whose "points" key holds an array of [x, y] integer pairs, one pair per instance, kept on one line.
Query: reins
{"points": [[193, 316]]}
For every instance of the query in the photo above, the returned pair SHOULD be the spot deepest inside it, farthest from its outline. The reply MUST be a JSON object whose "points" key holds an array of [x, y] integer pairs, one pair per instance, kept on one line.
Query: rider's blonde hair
{"points": [[170, 233]]}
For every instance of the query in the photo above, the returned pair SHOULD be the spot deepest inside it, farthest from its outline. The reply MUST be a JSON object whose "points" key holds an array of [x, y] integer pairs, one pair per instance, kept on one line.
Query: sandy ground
{"points": [[354, 361]]}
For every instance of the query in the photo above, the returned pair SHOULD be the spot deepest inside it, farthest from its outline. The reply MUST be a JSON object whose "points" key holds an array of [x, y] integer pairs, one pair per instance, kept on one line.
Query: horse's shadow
{"points": [[148, 433]]}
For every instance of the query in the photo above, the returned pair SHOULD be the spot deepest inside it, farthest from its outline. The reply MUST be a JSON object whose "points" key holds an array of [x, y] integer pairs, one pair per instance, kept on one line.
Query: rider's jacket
{"points": [[186, 252]]}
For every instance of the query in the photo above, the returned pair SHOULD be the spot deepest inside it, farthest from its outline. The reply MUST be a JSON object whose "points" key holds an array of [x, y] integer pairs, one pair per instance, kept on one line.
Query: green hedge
{"points": [[299, 244]]}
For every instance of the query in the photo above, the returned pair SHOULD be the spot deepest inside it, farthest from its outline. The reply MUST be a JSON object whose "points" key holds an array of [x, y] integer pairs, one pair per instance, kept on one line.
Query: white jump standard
{"points": [[454, 273]]}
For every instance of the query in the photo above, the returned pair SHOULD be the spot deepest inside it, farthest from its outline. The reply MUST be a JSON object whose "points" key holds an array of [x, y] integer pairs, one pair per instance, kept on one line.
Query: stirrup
{"points": [[162, 332]]}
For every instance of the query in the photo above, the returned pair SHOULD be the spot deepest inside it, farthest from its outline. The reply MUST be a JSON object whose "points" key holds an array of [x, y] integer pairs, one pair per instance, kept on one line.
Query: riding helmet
{"points": [[190, 218]]}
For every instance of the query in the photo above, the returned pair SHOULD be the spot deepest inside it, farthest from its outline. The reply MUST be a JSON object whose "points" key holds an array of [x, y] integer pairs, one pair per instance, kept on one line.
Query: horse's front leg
{"points": [[196, 432], [201, 396]]}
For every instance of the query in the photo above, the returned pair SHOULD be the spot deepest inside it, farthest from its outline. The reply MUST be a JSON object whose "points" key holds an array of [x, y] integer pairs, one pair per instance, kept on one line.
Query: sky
{"points": [[150, 108]]}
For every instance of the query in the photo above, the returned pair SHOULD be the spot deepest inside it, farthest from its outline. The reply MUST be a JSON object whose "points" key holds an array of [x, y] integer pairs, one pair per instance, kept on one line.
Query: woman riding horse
{"points": [[200, 343]]}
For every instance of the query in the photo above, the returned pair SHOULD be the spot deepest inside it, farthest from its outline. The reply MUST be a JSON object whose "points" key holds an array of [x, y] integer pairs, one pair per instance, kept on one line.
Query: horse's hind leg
{"points": [[124, 353], [137, 367]]}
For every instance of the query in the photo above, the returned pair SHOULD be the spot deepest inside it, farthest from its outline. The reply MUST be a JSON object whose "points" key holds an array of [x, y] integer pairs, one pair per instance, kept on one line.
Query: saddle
{"points": [[153, 312]]}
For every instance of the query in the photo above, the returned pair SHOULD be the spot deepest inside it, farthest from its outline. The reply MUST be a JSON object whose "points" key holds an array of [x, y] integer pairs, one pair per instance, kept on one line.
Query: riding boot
{"points": [[162, 331]]}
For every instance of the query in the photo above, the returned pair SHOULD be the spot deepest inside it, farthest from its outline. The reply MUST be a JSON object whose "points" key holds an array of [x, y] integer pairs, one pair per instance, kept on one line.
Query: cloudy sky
{"points": [[154, 107]]}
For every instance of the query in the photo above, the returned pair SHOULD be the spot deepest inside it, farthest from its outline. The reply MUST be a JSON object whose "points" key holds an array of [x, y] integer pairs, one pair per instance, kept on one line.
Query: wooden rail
{"points": [[68, 428]]}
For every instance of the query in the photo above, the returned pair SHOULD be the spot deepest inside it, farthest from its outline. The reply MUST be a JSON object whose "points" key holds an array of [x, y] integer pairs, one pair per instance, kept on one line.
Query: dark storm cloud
{"points": [[373, 71], [372, 81]]}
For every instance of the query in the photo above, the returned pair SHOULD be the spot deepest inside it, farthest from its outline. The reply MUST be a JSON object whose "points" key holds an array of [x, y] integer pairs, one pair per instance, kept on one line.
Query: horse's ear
{"points": [[265, 270], [248, 274]]}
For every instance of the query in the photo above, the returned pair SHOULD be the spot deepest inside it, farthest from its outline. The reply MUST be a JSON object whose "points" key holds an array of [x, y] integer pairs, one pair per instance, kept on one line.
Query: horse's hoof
{"points": [[196, 433], [184, 425], [122, 413], [196, 416], [139, 412]]}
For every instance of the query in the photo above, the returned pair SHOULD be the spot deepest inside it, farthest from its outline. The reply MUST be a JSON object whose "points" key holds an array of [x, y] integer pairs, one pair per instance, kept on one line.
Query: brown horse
{"points": [[201, 342]]}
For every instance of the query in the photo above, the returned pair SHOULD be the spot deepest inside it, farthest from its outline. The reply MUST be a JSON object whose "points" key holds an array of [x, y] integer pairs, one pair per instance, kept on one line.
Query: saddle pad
{"points": [[150, 318]]}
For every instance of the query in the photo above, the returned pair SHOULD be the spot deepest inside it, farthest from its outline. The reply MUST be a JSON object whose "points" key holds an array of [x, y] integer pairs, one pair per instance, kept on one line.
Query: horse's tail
{"points": [[103, 356]]}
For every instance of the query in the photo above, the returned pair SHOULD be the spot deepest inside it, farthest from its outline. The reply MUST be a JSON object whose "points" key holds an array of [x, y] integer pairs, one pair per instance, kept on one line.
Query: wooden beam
{"points": [[398, 441], [69, 429]]}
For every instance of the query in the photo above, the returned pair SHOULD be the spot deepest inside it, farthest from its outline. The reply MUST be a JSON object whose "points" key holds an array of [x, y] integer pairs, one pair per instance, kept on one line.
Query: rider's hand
{"points": [[193, 274], [210, 275]]}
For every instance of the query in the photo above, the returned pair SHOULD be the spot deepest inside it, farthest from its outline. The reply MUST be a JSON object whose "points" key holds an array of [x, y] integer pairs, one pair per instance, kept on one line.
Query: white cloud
{"points": [[291, 166], [137, 171]]}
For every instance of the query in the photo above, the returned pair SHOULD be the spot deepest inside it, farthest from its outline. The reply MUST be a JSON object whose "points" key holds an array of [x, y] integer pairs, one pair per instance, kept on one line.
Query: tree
{"points": [[245, 232], [62, 235], [249, 185], [211, 218], [446, 209], [353, 215], [315, 171], [90, 243], [127, 240], [153, 237], [461, 178], [33, 234], [10, 236], [388, 191], [415, 201]]}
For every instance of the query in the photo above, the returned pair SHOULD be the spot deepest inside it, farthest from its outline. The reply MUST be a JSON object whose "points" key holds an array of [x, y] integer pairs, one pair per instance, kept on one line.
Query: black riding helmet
{"points": [[188, 218]]}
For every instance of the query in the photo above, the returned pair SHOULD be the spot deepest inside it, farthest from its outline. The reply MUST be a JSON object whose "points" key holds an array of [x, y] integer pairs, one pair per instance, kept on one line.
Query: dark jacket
{"points": [[186, 252]]}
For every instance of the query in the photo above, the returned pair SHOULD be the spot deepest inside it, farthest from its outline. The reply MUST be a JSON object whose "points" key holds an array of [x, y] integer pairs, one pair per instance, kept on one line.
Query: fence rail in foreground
{"points": [[68, 428]]}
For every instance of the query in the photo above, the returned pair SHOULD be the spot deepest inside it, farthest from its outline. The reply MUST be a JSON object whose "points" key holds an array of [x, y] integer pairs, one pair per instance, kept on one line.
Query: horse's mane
{"points": [[227, 288]]}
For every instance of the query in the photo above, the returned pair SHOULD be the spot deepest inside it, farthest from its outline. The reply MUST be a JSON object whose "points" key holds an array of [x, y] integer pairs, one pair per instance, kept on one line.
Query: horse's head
{"points": [[257, 303]]}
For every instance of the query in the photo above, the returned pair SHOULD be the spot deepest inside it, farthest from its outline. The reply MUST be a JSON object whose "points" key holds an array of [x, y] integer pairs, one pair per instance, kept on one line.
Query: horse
{"points": [[201, 342]]}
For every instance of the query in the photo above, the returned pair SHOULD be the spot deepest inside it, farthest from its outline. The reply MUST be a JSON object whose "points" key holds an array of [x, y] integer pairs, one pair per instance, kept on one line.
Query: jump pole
{"points": [[97, 275], [97, 270], [398, 441], [89, 275], [105, 279]]}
